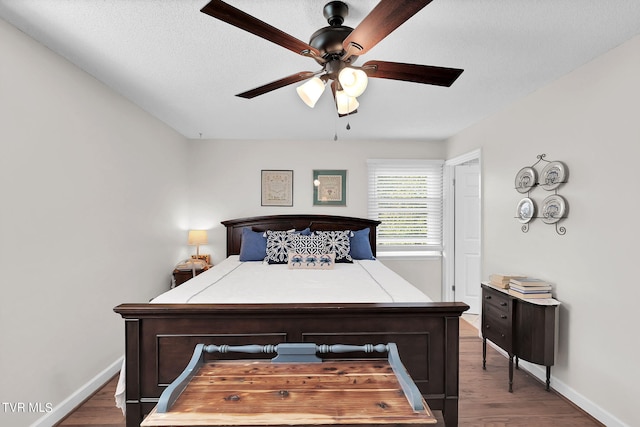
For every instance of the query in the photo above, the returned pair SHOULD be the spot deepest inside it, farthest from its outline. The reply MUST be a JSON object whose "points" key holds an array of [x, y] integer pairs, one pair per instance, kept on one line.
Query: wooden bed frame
{"points": [[160, 338]]}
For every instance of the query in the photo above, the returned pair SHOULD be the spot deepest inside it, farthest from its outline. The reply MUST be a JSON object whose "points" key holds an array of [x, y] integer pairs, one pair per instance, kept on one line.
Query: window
{"points": [[406, 196]]}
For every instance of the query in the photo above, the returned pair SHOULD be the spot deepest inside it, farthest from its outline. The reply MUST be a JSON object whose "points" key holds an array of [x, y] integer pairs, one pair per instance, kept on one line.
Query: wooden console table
{"points": [[524, 328], [294, 388]]}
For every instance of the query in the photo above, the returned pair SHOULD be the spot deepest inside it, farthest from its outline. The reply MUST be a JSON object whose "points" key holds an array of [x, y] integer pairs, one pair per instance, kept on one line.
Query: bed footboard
{"points": [[160, 339]]}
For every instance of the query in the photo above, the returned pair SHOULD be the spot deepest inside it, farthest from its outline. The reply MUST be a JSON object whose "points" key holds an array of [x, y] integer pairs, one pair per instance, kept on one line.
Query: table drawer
{"points": [[497, 299], [499, 331], [497, 318]]}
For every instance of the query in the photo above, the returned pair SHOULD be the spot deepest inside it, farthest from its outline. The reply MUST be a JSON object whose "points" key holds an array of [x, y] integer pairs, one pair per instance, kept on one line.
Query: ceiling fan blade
{"points": [[229, 14], [427, 74], [379, 23], [294, 78]]}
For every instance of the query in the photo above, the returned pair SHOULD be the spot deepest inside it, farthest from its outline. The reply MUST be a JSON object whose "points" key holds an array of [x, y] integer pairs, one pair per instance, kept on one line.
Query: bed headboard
{"points": [[299, 222]]}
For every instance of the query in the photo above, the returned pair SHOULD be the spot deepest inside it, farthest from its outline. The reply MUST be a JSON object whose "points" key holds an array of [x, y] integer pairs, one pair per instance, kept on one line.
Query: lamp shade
{"points": [[353, 81], [197, 237], [346, 104], [311, 91]]}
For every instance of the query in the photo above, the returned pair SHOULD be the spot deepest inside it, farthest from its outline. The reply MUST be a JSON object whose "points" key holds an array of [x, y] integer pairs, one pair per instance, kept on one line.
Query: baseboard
{"points": [[569, 393], [65, 407]]}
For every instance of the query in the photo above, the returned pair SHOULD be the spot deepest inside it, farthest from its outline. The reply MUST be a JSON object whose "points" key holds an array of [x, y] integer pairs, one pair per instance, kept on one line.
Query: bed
{"points": [[160, 336]]}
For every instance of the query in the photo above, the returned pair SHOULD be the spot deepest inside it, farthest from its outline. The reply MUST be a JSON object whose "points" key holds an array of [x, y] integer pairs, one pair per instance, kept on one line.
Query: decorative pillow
{"points": [[253, 246], [311, 261], [360, 245], [278, 246], [312, 244], [339, 243], [305, 232]]}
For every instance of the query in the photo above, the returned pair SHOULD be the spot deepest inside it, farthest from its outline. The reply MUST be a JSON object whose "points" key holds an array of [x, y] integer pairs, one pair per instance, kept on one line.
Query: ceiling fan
{"points": [[336, 48]]}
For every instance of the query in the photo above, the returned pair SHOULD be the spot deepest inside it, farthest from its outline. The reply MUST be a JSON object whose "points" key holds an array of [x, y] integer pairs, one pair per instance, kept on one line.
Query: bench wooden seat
{"points": [[361, 391]]}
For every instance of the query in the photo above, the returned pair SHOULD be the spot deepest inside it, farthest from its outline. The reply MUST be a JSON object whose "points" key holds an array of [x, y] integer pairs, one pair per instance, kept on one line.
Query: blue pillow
{"points": [[305, 232], [253, 246], [360, 245]]}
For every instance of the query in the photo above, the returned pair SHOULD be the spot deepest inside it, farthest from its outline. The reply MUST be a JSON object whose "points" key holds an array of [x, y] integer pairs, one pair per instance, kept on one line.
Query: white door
{"points": [[467, 236]]}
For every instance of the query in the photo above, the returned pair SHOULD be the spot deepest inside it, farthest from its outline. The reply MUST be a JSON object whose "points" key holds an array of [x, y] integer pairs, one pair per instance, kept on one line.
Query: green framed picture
{"points": [[330, 187]]}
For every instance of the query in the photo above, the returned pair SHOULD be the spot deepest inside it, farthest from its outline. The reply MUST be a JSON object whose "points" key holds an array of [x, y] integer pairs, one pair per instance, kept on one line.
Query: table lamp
{"points": [[197, 238]]}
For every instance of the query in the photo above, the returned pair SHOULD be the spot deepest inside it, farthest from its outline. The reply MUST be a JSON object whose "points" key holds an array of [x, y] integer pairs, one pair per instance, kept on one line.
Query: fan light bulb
{"points": [[346, 104], [311, 91], [353, 81]]}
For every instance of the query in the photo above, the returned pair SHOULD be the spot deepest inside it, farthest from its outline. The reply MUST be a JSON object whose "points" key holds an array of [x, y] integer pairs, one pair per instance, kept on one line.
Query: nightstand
{"points": [[181, 276]]}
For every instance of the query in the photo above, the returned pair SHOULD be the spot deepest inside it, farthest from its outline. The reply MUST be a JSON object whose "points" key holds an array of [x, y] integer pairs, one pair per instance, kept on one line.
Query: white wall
{"points": [[225, 184], [589, 120], [92, 214]]}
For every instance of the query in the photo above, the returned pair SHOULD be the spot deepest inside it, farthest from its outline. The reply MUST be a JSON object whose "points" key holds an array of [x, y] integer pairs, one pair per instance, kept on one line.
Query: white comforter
{"points": [[232, 281]]}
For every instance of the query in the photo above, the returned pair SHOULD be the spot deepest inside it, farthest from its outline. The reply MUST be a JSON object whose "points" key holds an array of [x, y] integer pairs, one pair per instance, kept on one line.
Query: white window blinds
{"points": [[406, 195]]}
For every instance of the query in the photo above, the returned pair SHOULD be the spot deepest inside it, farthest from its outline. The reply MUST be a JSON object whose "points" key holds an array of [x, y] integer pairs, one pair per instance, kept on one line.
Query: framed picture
{"points": [[277, 188], [330, 187]]}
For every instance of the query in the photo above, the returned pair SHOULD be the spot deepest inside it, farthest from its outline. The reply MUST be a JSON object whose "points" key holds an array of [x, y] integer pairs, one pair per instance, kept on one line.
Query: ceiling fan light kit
{"points": [[336, 48], [311, 91], [346, 104], [353, 81]]}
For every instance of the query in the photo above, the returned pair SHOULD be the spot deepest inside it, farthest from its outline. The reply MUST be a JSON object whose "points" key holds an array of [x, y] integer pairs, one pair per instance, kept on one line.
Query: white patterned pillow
{"points": [[338, 242], [312, 244], [311, 261], [278, 246]]}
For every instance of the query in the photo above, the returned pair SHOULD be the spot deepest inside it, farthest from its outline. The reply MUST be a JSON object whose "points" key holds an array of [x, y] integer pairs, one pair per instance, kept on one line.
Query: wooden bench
{"points": [[294, 388]]}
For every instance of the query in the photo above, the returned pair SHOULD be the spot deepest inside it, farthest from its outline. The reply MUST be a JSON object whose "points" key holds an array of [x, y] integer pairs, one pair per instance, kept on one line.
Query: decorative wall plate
{"points": [[526, 178], [526, 210], [554, 174], [553, 209]]}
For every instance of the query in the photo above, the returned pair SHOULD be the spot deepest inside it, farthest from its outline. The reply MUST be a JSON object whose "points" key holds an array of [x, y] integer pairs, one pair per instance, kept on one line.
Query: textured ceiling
{"points": [[184, 67]]}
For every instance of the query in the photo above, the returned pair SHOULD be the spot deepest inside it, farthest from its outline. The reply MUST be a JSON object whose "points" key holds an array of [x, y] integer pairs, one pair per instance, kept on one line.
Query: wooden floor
{"points": [[484, 399]]}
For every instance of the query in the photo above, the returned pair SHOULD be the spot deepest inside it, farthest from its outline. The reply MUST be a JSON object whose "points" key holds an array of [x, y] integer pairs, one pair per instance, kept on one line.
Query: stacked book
{"points": [[502, 280], [528, 287]]}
